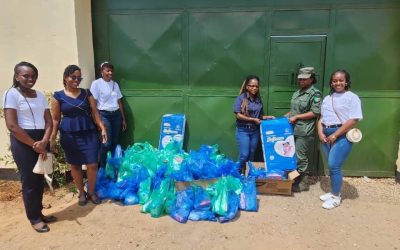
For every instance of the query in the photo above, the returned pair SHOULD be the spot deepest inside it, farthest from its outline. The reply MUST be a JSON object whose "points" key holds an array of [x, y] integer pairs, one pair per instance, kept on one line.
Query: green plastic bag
{"points": [[219, 192], [144, 191]]}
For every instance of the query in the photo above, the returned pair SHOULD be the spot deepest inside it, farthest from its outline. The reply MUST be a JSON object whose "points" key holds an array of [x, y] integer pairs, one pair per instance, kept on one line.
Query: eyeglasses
{"points": [[76, 78], [253, 86]]}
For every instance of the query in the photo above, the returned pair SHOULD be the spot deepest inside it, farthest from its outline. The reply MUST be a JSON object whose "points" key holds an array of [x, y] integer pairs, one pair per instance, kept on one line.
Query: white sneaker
{"points": [[333, 202], [326, 196]]}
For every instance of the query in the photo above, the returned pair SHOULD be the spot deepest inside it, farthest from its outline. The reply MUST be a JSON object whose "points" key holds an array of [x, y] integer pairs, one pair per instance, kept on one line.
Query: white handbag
{"points": [[45, 167], [354, 135]]}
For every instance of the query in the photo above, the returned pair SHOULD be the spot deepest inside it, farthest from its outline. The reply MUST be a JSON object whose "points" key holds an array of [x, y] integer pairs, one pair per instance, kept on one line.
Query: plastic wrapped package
{"points": [[248, 196], [233, 207], [184, 204]]}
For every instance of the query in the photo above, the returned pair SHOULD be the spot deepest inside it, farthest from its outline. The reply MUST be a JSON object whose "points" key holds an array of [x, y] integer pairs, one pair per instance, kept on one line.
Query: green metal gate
{"points": [[192, 56]]}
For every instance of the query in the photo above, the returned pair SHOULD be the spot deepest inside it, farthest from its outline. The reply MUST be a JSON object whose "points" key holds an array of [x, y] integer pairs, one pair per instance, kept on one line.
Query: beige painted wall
{"points": [[50, 34]]}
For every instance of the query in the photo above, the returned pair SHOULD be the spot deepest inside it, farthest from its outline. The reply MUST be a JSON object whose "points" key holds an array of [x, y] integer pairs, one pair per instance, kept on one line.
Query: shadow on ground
{"points": [[349, 191]]}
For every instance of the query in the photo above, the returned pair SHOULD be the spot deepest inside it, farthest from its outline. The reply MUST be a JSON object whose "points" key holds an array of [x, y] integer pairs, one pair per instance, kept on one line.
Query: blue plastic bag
{"points": [[248, 196], [233, 207]]}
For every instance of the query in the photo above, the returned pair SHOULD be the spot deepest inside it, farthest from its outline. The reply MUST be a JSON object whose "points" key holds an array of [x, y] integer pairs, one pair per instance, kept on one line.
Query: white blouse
{"points": [[347, 105]]}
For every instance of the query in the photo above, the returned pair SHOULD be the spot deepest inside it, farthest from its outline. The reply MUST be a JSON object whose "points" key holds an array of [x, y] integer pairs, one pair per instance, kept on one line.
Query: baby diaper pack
{"points": [[172, 129], [278, 144]]}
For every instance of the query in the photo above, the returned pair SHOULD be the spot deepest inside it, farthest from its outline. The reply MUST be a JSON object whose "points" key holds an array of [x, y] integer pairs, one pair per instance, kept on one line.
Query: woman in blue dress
{"points": [[75, 115]]}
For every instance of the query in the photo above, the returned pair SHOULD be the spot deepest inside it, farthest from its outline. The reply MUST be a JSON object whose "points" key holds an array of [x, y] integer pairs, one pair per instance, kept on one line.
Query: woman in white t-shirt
{"points": [[340, 111], [108, 97], [28, 119]]}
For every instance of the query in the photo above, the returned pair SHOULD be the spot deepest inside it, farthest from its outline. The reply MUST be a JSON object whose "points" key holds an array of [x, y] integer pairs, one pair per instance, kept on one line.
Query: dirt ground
{"points": [[367, 219]]}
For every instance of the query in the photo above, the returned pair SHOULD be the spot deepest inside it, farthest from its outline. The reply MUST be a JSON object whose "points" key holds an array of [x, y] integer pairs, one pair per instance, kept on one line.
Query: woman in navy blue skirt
{"points": [[28, 119], [76, 116]]}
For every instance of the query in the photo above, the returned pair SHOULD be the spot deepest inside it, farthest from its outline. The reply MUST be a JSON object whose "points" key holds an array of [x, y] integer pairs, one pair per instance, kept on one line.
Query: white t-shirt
{"points": [[13, 99], [106, 94], [347, 105]]}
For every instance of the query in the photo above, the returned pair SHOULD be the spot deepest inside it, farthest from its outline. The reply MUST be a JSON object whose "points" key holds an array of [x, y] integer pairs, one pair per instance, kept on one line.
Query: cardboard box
{"points": [[270, 186], [181, 185]]}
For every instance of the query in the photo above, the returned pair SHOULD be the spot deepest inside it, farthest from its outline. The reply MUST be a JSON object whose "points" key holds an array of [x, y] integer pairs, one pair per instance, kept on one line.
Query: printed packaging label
{"points": [[278, 144], [172, 129]]}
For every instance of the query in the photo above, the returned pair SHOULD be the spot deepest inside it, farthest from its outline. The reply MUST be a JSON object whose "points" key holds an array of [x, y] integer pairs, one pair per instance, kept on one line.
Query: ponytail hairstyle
{"points": [[16, 71], [243, 89], [346, 77], [69, 70]]}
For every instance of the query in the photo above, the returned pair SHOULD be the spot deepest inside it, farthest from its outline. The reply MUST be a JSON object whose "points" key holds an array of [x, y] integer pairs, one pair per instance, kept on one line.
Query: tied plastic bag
{"points": [[156, 203], [202, 200], [256, 172], [198, 215], [219, 192], [248, 196], [144, 191], [233, 207], [184, 204]]}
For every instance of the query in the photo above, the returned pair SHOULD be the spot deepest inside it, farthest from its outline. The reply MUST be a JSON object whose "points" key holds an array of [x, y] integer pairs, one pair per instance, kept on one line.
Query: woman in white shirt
{"points": [[340, 111], [28, 119], [108, 97]]}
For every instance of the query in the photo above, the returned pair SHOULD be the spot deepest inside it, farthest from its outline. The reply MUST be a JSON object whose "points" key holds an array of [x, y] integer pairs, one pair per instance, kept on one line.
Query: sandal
{"points": [[94, 198], [82, 199], [49, 219], [41, 227]]}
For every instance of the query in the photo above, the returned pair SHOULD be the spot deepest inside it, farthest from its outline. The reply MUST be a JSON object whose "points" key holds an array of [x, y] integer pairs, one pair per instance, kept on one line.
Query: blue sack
{"points": [[233, 207], [183, 205], [198, 215], [248, 196]]}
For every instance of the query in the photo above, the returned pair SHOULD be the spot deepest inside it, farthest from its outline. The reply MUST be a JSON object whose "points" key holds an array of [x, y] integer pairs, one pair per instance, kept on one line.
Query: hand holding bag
{"points": [[45, 167], [354, 135]]}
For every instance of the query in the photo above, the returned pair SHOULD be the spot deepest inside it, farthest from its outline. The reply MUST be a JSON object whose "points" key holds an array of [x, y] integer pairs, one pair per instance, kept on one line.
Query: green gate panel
{"points": [[211, 121], [190, 56], [146, 50], [368, 46], [294, 20], [224, 47], [378, 149], [143, 114], [288, 54]]}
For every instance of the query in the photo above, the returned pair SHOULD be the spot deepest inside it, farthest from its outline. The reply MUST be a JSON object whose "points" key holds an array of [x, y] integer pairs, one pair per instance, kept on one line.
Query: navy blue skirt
{"points": [[80, 147]]}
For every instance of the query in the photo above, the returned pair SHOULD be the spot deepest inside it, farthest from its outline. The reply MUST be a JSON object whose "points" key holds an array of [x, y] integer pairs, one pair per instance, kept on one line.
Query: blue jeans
{"points": [[247, 140], [336, 154], [113, 123]]}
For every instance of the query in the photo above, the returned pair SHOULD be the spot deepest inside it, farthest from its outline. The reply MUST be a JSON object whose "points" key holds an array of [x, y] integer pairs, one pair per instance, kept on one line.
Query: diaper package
{"points": [[172, 129], [278, 144]]}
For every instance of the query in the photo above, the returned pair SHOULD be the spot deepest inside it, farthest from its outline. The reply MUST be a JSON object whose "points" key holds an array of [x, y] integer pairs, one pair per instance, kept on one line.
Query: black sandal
{"points": [[82, 199], [43, 229], [94, 198]]}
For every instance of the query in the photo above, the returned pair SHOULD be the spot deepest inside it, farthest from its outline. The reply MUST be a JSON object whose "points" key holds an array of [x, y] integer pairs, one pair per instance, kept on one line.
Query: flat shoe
{"points": [[94, 199], [49, 219], [82, 200], [43, 229]]}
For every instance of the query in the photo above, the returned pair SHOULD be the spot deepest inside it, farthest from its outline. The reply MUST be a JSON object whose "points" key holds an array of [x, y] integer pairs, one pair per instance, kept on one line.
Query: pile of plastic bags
{"points": [[147, 176]]}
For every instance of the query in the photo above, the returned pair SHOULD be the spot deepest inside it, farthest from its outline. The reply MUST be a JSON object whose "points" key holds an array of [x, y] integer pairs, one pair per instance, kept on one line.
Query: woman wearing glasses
{"points": [[28, 119], [248, 108], [75, 115]]}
